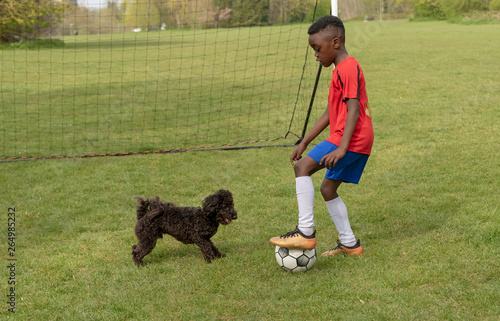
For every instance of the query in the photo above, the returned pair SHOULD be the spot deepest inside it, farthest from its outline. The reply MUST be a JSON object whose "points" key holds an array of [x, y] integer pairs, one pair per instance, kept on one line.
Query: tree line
{"points": [[448, 9], [30, 19], [212, 13]]}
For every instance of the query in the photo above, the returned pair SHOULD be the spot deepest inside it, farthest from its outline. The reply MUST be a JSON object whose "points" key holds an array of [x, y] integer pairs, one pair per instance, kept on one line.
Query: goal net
{"points": [[141, 76]]}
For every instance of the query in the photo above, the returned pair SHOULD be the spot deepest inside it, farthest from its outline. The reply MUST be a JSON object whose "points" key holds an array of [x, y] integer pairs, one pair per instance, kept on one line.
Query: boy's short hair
{"points": [[330, 24]]}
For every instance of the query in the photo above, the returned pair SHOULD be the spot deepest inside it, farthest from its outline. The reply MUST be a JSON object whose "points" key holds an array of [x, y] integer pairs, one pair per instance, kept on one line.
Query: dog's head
{"points": [[220, 204]]}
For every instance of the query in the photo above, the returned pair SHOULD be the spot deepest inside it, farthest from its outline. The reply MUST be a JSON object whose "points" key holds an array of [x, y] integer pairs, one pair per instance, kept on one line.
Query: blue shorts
{"points": [[348, 169]]}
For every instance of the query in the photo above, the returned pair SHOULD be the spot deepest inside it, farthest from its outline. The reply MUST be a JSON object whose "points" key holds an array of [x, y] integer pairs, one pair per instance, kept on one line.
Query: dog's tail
{"points": [[146, 205], [150, 204]]}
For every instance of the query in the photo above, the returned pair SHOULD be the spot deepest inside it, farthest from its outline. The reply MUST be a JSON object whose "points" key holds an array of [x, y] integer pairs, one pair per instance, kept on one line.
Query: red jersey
{"points": [[348, 81]]}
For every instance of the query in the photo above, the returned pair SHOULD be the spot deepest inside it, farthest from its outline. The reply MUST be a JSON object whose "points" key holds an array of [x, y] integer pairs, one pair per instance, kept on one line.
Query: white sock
{"points": [[305, 199], [338, 212]]}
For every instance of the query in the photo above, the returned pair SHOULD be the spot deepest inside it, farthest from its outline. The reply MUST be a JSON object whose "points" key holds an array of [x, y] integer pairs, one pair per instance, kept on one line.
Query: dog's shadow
{"points": [[172, 251]]}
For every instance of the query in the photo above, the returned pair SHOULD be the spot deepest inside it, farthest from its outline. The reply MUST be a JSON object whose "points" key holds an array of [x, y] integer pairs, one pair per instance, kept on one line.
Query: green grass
{"points": [[33, 44], [426, 209]]}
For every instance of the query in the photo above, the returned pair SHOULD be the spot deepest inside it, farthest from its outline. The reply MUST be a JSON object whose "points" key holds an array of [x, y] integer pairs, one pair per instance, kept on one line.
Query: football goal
{"points": [[148, 76]]}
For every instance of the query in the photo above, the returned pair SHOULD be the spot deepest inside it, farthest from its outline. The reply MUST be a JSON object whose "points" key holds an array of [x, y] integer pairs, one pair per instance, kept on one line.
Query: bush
{"points": [[22, 20], [429, 9], [453, 8], [494, 5]]}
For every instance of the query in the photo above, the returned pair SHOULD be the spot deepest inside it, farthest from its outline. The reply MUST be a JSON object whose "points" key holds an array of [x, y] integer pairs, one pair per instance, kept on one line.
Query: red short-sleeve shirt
{"points": [[348, 81]]}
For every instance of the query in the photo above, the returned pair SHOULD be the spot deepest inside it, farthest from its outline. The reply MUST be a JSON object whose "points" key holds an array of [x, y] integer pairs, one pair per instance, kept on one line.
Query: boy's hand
{"points": [[297, 153], [331, 159]]}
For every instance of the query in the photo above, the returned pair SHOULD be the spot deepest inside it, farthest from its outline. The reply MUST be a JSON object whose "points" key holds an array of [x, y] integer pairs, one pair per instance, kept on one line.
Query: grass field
{"points": [[426, 209]]}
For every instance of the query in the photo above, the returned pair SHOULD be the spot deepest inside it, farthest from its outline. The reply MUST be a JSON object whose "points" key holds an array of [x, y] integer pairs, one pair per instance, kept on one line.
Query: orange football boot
{"points": [[295, 239], [349, 250]]}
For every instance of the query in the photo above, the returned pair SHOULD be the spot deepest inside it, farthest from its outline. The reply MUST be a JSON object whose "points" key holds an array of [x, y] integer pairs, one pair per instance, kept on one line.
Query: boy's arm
{"points": [[332, 158], [322, 122]]}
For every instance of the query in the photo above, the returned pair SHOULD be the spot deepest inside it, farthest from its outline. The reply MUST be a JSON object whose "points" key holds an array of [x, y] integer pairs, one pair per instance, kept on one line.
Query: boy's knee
{"points": [[306, 167], [329, 189], [324, 189], [301, 169], [297, 169]]}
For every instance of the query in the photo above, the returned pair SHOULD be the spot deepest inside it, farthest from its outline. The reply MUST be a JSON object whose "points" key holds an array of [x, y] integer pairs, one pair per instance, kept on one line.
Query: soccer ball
{"points": [[295, 260]]}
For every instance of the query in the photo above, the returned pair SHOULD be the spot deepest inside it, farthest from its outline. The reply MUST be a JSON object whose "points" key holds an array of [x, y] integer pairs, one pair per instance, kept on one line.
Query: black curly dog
{"points": [[186, 224]]}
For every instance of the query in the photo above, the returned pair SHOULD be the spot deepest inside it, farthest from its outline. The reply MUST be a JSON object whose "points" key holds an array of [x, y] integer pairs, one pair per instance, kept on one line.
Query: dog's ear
{"points": [[214, 202], [210, 203]]}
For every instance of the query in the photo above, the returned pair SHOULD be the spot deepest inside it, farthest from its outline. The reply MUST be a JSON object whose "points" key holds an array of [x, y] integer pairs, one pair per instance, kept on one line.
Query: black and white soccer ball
{"points": [[295, 260]]}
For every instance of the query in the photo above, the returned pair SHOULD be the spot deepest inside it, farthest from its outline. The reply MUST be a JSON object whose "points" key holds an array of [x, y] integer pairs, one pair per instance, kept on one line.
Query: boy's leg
{"points": [[305, 199], [303, 236], [338, 213], [304, 187]]}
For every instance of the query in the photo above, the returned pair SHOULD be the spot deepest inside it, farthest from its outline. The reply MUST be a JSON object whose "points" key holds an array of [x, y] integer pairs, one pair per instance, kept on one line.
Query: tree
{"points": [[494, 5], [286, 11], [457, 7], [78, 20], [113, 15], [212, 17], [446, 9], [26, 19], [177, 10], [144, 14], [245, 12]]}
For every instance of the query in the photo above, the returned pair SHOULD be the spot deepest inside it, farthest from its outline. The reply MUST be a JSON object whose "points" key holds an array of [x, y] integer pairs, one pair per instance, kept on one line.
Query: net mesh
{"points": [[129, 90]]}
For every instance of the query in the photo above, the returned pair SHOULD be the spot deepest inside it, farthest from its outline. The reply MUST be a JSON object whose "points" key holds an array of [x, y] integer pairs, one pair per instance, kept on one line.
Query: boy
{"points": [[344, 153]]}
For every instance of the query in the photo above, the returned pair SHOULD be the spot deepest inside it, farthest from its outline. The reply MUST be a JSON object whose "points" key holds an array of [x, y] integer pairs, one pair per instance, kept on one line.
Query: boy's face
{"points": [[325, 47]]}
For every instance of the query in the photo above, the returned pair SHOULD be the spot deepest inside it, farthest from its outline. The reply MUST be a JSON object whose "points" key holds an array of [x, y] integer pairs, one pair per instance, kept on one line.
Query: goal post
{"points": [[334, 8], [333, 12]]}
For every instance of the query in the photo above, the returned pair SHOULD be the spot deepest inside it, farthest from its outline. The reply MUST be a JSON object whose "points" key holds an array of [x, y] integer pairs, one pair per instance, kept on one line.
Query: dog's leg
{"points": [[143, 248], [135, 253], [206, 249], [216, 250]]}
